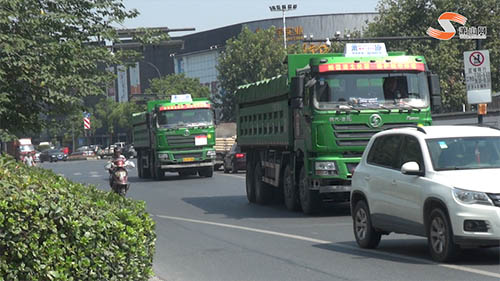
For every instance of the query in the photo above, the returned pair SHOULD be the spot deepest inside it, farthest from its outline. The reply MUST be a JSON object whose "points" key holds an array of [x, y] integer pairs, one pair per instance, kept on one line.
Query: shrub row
{"points": [[54, 229]]}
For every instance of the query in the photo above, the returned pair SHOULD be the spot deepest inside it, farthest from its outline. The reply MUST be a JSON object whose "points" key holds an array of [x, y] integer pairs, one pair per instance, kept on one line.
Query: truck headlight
{"points": [[471, 197], [211, 153], [324, 168], [163, 156]]}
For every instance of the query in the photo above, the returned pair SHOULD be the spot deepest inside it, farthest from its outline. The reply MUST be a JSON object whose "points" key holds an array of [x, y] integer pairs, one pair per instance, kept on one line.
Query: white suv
{"points": [[440, 182]]}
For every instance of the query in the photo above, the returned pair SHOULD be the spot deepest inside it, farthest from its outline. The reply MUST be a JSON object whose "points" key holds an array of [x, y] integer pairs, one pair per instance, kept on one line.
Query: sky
{"points": [[210, 14]]}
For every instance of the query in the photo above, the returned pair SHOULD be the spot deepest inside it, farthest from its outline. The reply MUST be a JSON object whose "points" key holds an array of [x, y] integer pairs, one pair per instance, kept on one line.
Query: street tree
{"points": [[52, 56], [250, 57], [413, 18], [177, 84]]}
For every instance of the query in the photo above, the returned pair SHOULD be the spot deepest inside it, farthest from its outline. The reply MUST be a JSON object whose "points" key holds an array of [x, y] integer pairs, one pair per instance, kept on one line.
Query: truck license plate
{"points": [[200, 140], [188, 159]]}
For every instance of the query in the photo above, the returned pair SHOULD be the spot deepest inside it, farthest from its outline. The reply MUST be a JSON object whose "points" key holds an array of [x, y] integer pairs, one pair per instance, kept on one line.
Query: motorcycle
{"points": [[118, 175]]}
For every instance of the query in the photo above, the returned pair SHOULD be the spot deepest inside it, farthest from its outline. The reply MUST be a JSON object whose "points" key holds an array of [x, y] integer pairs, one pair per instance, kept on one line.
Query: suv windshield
{"points": [[464, 153], [185, 118], [372, 90]]}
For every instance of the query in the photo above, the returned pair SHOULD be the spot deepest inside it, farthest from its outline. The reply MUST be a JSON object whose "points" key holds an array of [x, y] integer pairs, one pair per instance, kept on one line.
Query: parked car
{"points": [[234, 160], [440, 182], [53, 155], [83, 151]]}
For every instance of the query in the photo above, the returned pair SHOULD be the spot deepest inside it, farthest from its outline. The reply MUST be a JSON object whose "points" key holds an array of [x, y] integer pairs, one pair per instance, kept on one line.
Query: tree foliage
{"points": [[52, 55], [177, 84], [250, 57], [413, 17]]}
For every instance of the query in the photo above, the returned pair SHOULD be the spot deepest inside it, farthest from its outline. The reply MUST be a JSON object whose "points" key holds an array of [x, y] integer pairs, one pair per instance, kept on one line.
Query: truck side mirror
{"points": [[215, 116], [148, 120], [297, 87], [435, 90]]}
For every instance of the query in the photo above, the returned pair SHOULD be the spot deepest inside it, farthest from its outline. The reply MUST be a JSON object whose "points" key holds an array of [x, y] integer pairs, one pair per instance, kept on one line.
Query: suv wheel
{"points": [[440, 237], [366, 236]]}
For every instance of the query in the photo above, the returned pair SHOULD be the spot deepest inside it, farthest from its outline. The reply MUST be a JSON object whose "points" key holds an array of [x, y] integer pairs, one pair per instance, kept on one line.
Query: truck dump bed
{"points": [[264, 116], [141, 135]]}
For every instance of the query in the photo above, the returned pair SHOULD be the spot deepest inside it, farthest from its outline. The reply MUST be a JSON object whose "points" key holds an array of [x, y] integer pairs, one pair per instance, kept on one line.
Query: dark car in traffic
{"points": [[53, 155], [235, 160]]}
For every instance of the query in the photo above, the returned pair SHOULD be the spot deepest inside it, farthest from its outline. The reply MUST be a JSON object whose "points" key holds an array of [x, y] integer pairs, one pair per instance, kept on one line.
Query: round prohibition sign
{"points": [[476, 58]]}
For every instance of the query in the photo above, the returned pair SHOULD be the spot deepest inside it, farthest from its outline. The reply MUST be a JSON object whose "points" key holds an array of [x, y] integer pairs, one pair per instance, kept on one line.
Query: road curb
{"points": [[155, 279]]}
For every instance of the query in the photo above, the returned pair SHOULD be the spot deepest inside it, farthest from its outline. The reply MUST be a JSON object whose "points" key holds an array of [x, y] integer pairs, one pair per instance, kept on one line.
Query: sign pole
{"points": [[481, 105]]}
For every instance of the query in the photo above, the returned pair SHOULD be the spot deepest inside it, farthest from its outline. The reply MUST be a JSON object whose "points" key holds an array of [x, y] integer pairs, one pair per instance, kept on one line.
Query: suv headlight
{"points": [[471, 197], [211, 153], [163, 156], [324, 168]]}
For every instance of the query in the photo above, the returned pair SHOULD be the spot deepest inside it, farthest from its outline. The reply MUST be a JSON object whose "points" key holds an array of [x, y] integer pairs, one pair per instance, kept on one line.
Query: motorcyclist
{"points": [[117, 155]]}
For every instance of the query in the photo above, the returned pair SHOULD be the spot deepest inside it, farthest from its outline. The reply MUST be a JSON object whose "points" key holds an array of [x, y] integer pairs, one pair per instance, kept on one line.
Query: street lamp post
{"points": [[284, 9]]}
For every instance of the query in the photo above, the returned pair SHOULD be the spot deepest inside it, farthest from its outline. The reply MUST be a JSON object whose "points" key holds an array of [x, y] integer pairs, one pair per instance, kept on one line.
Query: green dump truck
{"points": [[175, 136], [305, 132]]}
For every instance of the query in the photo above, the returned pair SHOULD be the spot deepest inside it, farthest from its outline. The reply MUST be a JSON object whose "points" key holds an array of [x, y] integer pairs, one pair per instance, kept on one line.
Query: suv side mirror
{"points": [[411, 169], [435, 90]]}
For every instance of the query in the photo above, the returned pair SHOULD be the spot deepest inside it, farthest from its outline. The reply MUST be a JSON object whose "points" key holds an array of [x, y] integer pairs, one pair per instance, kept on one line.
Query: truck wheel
{"points": [[440, 237], [159, 174], [291, 193], [207, 172], [234, 168], [309, 199], [139, 167], [250, 183], [217, 167], [263, 192], [365, 235]]}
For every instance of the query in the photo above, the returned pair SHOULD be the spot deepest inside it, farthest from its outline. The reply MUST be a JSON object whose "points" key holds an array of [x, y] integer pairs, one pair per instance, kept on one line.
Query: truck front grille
{"points": [[178, 156], [180, 140], [360, 134]]}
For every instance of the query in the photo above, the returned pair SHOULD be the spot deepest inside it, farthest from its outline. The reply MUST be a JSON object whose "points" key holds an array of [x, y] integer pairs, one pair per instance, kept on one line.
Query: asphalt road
{"points": [[207, 230]]}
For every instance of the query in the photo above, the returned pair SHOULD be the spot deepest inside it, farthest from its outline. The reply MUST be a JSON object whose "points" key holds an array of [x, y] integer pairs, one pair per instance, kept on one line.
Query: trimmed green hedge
{"points": [[54, 229]]}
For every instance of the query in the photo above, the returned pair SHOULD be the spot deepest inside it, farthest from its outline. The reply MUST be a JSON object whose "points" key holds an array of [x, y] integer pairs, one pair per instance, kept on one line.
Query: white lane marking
{"points": [[77, 174], [298, 237], [319, 241], [95, 176], [234, 176], [94, 173]]}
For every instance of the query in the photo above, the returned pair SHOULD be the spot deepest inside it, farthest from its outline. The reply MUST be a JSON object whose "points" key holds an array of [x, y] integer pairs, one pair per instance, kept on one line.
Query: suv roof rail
{"points": [[421, 129]]}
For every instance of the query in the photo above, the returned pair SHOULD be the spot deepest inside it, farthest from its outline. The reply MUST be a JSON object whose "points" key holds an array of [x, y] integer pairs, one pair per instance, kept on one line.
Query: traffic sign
{"points": [[477, 76], [86, 123]]}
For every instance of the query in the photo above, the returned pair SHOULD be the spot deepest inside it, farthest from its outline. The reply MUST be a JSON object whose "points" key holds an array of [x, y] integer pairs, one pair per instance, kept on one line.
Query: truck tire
{"points": [[309, 199], [290, 191], [250, 182], [234, 168], [207, 172], [139, 167], [263, 192], [217, 167]]}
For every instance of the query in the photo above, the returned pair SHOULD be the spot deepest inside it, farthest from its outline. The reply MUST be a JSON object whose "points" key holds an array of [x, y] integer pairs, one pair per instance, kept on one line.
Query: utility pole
{"points": [[283, 8], [482, 107]]}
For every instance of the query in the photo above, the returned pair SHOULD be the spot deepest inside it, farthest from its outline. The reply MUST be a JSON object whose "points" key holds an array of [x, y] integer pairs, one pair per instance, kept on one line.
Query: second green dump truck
{"points": [[304, 133], [175, 136]]}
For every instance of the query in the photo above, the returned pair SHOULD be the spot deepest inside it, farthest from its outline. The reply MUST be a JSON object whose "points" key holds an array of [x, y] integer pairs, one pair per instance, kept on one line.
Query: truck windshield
{"points": [[26, 148], [372, 90], [185, 118]]}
